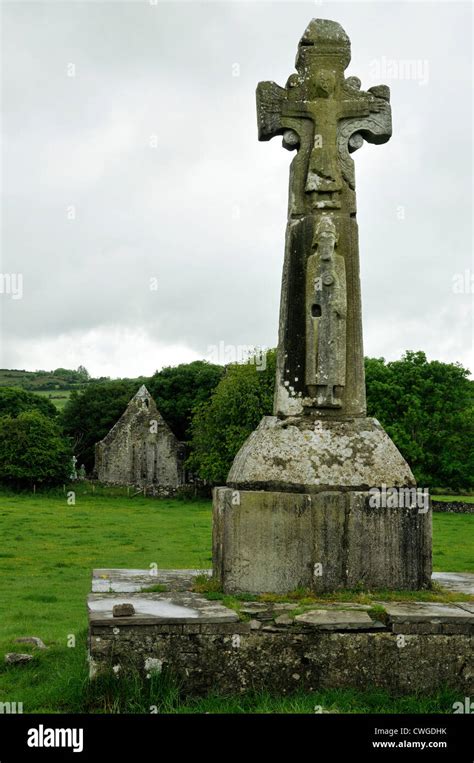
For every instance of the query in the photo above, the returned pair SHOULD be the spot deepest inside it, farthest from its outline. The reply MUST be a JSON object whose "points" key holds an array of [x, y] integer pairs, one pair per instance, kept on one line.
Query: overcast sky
{"points": [[130, 153]]}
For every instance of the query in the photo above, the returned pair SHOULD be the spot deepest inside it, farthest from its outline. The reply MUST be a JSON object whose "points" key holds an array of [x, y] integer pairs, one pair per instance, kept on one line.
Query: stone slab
{"points": [[265, 612], [178, 607], [460, 582], [251, 607], [336, 620], [346, 605], [467, 605], [429, 617], [283, 620], [134, 580]]}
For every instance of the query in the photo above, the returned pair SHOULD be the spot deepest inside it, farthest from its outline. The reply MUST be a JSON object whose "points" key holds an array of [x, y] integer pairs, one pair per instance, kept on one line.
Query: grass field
{"points": [[448, 498], [48, 549], [58, 398]]}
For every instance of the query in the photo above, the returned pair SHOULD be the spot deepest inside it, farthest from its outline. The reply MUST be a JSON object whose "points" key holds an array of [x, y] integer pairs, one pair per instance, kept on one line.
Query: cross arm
{"points": [[271, 99], [374, 126]]}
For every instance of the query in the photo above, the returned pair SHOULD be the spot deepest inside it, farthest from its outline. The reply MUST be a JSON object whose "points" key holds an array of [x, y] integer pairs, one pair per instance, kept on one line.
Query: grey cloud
{"points": [[204, 211]]}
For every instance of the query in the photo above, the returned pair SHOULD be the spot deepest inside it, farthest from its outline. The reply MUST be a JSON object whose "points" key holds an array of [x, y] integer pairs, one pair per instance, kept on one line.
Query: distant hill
{"points": [[56, 385], [39, 381]]}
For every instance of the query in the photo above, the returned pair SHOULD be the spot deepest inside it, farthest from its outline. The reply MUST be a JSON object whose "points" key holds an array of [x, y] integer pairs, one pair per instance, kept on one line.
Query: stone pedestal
{"points": [[304, 454], [301, 510], [268, 541]]}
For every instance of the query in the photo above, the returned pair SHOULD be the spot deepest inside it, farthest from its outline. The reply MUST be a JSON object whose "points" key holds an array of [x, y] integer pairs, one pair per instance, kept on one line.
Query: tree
{"points": [[427, 408], [83, 373], [221, 425], [177, 391], [89, 414], [67, 373], [15, 400], [32, 450]]}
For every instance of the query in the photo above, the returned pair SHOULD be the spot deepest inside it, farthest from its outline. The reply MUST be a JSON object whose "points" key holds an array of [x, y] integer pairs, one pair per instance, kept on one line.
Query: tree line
{"points": [[427, 408]]}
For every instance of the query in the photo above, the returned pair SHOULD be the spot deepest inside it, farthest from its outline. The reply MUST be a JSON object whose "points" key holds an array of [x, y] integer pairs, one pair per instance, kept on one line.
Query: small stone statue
{"points": [[326, 309], [73, 474]]}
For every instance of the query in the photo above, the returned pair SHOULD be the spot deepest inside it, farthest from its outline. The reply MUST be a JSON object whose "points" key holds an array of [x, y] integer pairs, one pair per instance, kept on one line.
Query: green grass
{"points": [[58, 397], [453, 542], [47, 552], [49, 548], [449, 498]]}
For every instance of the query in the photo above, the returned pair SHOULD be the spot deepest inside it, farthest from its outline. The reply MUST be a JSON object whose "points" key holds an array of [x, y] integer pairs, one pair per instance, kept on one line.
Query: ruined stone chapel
{"points": [[141, 449]]}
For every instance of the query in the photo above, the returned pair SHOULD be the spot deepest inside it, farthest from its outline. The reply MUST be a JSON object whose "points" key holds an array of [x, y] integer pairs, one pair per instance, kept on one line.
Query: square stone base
{"points": [[276, 542], [207, 648]]}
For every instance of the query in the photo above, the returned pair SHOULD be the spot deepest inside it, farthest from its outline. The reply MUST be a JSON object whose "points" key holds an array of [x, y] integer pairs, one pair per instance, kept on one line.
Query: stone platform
{"points": [[282, 647]]}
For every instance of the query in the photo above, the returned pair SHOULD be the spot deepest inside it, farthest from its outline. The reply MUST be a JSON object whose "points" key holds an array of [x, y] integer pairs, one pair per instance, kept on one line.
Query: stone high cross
{"points": [[324, 117], [297, 510]]}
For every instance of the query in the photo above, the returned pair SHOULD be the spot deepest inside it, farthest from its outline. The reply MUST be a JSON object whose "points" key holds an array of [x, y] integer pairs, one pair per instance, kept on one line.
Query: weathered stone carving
{"points": [[324, 117], [326, 307]]}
